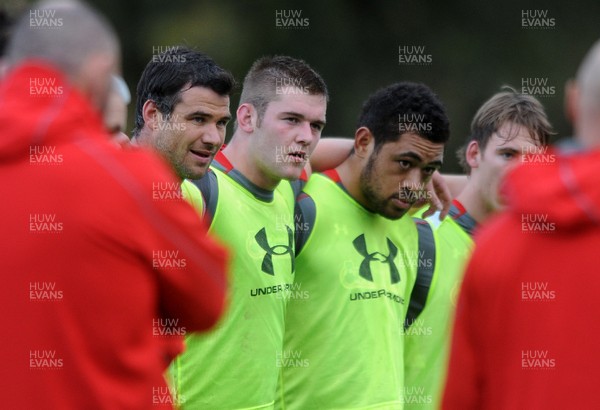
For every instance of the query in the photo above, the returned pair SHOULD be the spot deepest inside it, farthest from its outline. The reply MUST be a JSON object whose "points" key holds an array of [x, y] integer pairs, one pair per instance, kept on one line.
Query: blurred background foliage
{"points": [[475, 46]]}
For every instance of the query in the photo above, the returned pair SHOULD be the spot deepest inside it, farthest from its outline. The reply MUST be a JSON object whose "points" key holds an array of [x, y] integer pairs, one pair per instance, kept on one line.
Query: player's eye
{"points": [[429, 170], [404, 164], [317, 127]]}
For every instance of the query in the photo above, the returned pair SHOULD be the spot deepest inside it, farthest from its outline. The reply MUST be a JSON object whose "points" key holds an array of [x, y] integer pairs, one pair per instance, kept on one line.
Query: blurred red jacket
{"points": [[101, 258]]}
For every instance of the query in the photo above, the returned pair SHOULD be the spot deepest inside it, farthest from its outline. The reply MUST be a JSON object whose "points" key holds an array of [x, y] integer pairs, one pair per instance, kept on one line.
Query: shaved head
{"points": [[76, 33], [72, 38]]}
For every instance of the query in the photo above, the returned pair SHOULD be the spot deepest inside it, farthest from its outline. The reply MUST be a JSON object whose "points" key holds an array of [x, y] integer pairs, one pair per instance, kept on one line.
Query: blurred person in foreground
{"points": [[527, 329], [98, 255]]}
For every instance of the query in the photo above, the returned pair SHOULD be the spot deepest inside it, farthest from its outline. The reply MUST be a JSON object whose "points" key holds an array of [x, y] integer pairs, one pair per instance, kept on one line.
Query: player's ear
{"points": [[363, 142], [473, 154], [151, 114], [247, 117]]}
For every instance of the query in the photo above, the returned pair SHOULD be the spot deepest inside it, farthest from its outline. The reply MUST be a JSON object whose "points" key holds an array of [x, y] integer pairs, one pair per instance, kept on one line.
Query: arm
{"points": [[330, 152]]}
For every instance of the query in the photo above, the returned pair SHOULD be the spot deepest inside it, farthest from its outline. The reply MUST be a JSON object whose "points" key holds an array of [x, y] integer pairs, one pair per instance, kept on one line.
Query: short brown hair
{"points": [[260, 84], [507, 106]]}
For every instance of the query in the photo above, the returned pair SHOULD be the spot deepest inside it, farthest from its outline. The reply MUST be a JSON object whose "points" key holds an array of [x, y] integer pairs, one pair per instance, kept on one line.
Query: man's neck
{"points": [[237, 154], [471, 199], [350, 178], [141, 139]]}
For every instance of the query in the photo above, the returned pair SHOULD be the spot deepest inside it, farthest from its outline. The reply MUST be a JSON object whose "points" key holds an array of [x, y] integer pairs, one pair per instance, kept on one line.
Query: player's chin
{"points": [[197, 171], [394, 212], [292, 171]]}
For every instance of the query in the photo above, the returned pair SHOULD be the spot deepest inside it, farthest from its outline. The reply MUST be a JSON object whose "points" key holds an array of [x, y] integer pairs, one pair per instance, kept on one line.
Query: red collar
{"points": [[460, 207], [333, 175], [222, 159]]}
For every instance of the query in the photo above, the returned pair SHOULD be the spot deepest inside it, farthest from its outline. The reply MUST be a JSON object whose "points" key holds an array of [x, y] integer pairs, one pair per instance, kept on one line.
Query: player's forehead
{"points": [[203, 99], [514, 136], [415, 146], [310, 106]]}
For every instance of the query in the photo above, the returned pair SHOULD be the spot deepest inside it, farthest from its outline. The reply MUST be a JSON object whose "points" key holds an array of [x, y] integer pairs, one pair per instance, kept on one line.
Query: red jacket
{"points": [[527, 329], [98, 254]]}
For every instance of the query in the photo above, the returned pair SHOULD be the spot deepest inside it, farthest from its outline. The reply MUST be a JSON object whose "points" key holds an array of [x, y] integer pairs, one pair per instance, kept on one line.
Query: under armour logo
{"points": [[278, 250], [365, 266]]}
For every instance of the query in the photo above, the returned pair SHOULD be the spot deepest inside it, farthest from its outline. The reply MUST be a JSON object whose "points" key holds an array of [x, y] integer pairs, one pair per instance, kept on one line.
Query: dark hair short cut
{"points": [[405, 107], [168, 74], [261, 82], [507, 106]]}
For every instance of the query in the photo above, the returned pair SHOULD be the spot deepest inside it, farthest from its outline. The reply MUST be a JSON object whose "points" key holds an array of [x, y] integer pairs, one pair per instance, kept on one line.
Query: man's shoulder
{"points": [[321, 181], [134, 169], [449, 230]]}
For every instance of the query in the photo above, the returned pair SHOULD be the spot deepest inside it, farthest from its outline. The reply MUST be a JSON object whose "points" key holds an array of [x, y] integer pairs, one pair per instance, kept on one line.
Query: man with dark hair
{"points": [[92, 262], [358, 257], [250, 203], [506, 129], [526, 330], [182, 111]]}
